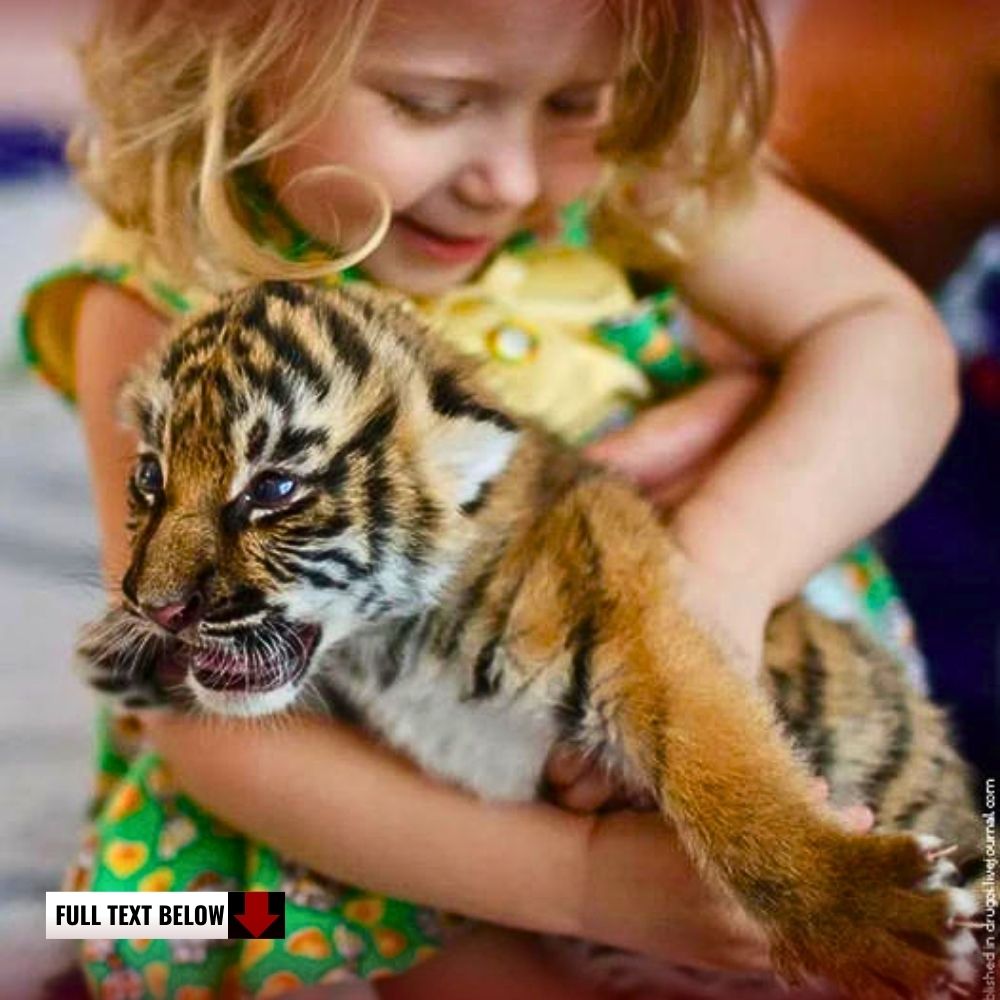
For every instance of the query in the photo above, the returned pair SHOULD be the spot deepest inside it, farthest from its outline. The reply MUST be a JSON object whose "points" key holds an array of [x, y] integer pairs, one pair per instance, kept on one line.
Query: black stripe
{"points": [[782, 695], [295, 356], [338, 557], [274, 384], [110, 685], [277, 569], [907, 818], [139, 700], [270, 517], [255, 376], [368, 438], [897, 753], [339, 704], [378, 509], [374, 604], [190, 343], [486, 680], [471, 507], [319, 531], [240, 513], [391, 665], [256, 440], [188, 379], [470, 603], [322, 580], [295, 440], [346, 339], [286, 291], [159, 427], [242, 603], [235, 404], [139, 545], [148, 418], [885, 678], [572, 707], [808, 730], [421, 532], [450, 399], [376, 428]]}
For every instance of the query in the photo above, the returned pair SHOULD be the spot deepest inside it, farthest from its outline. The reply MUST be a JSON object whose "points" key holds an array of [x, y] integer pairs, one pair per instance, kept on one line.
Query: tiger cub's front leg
{"points": [[600, 619], [125, 659], [870, 912]]}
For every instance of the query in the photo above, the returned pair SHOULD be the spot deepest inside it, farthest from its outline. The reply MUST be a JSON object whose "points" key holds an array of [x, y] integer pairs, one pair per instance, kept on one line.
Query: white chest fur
{"points": [[495, 746]]}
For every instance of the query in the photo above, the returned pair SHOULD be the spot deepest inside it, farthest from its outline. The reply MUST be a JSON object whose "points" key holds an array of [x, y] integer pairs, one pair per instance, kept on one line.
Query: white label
{"points": [[155, 915]]}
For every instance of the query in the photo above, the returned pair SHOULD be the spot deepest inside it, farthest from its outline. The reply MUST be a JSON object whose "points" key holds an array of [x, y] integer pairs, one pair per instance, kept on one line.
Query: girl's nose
{"points": [[503, 174]]}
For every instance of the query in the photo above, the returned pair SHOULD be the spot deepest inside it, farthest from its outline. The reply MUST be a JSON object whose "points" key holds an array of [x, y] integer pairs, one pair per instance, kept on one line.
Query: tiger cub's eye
{"points": [[148, 477], [271, 489]]}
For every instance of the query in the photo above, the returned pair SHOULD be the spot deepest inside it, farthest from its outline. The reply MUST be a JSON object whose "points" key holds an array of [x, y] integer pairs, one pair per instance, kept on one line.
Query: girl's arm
{"points": [[324, 795], [865, 399]]}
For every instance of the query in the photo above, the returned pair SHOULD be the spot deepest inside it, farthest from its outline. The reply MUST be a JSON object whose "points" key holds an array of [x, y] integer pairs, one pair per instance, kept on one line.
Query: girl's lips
{"points": [[447, 249]]}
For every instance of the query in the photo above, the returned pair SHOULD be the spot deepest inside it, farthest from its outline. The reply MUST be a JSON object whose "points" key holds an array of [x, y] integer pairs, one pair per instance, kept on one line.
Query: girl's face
{"points": [[475, 117]]}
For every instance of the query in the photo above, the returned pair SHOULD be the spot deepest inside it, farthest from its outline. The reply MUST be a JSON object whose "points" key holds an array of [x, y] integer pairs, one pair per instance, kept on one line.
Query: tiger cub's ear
{"points": [[468, 443]]}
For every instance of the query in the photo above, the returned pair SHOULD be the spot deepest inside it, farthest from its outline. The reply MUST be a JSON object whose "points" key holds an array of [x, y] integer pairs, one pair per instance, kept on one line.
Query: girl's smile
{"points": [[445, 248], [469, 126]]}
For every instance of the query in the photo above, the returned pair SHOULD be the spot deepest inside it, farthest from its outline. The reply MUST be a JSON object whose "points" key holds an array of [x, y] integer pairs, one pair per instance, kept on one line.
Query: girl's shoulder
{"points": [[108, 257]]}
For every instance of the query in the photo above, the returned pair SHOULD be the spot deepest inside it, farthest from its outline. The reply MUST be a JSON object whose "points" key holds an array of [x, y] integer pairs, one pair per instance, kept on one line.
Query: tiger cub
{"points": [[326, 508]]}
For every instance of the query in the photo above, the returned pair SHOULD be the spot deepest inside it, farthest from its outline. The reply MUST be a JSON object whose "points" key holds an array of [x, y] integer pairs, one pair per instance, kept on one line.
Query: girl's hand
{"points": [[578, 783], [630, 852], [667, 450]]}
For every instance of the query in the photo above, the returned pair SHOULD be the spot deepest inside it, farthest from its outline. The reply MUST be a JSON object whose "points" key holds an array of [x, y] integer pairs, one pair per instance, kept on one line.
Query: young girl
{"points": [[461, 153]]}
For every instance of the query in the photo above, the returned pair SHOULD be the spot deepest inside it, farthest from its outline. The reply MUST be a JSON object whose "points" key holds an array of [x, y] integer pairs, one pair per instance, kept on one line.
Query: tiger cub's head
{"points": [[310, 463]]}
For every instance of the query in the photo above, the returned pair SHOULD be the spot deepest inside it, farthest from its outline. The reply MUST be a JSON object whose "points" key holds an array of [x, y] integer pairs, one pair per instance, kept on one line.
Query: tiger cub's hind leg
{"points": [[872, 913]]}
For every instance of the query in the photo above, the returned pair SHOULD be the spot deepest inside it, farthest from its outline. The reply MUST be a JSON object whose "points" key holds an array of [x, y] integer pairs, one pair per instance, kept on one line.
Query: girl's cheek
{"points": [[361, 134], [571, 178]]}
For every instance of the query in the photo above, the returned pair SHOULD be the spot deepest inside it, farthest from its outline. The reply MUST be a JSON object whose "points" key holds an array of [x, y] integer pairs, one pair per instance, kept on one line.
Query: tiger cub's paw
{"points": [[120, 656], [964, 910], [883, 919]]}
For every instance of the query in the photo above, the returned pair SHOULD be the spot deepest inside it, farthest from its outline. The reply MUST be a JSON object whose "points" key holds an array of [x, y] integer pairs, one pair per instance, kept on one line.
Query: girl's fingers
{"points": [[673, 492], [672, 437], [588, 794], [577, 782], [858, 818], [566, 765]]}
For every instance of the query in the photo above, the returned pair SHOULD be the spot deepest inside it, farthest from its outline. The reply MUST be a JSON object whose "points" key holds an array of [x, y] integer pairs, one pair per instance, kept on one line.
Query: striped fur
{"points": [[474, 592]]}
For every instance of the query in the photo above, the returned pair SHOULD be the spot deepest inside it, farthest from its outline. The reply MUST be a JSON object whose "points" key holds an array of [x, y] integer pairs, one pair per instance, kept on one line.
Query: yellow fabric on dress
{"points": [[528, 316]]}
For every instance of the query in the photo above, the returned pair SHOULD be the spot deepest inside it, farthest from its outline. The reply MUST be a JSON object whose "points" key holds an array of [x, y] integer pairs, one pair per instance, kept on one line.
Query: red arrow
{"points": [[255, 917]]}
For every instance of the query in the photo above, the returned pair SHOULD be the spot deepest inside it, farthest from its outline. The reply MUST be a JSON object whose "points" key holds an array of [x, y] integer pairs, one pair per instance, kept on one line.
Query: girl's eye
{"points": [[148, 476], [426, 109], [583, 105], [271, 489]]}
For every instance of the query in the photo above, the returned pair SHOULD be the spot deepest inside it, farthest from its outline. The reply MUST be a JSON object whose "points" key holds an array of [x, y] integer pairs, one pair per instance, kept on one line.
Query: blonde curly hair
{"points": [[172, 83]]}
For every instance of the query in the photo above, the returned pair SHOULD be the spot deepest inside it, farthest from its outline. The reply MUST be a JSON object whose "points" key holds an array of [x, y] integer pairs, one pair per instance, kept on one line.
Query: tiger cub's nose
{"points": [[175, 616]]}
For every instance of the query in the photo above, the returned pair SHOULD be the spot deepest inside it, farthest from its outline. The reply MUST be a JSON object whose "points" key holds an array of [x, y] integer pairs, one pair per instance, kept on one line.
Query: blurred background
{"points": [[48, 550], [889, 113]]}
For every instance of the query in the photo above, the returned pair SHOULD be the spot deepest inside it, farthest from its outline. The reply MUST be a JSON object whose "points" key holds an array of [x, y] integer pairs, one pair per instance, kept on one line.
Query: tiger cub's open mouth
{"points": [[255, 667]]}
